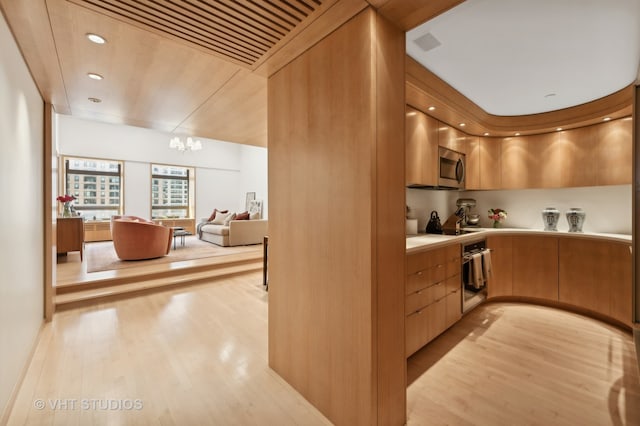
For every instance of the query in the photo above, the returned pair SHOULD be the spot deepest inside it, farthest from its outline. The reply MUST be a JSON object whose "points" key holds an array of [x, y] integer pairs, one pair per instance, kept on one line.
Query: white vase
{"points": [[550, 216], [575, 217]]}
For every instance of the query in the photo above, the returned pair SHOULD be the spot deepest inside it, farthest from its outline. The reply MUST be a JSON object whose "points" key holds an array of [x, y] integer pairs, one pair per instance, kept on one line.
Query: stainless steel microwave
{"points": [[451, 168]]}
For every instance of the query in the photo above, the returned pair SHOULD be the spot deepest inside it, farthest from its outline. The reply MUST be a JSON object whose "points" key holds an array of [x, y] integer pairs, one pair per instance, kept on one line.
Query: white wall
{"points": [[608, 208], [224, 170], [254, 174], [22, 229]]}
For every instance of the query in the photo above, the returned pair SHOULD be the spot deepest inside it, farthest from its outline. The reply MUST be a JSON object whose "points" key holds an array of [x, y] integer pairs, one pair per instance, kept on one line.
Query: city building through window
{"points": [[171, 192], [85, 179]]}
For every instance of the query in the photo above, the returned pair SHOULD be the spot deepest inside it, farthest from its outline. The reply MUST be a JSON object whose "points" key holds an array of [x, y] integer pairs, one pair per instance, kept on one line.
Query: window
{"points": [[171, 192], [82, 175]]}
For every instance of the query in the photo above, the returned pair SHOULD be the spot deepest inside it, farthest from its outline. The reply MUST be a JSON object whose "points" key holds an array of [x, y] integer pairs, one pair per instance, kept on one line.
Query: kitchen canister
{"points": [[575, 217], [550, 216]]}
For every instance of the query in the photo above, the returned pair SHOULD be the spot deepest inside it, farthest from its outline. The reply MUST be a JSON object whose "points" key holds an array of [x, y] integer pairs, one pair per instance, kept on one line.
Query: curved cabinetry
{"points": [[591, 275]]}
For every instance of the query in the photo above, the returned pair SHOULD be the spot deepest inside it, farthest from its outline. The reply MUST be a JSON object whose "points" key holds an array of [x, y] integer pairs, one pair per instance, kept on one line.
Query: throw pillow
{"points": [[213, 215], [229, 218], [254, 215], [242, 216], [220, 218]]}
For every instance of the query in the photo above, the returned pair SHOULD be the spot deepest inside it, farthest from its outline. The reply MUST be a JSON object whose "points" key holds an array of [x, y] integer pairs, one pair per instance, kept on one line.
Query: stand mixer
{"points": [[466, 204]]}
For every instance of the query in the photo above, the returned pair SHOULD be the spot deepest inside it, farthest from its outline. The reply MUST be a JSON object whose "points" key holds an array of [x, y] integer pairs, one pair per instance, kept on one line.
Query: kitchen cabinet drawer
{"points": [[421, 298], [452, 267], [425, 260], [437, 314], [425, 278], [417, 331], [454, 307], [452, 284]]}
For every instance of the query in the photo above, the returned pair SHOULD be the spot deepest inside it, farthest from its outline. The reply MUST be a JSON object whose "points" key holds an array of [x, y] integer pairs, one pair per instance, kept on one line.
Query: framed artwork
{"points": [[250, 197], [255, 206]]}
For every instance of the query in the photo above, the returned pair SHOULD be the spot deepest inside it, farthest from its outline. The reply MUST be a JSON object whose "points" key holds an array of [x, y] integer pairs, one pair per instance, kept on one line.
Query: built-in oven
{"points": [[476, 271], [451, 168]]}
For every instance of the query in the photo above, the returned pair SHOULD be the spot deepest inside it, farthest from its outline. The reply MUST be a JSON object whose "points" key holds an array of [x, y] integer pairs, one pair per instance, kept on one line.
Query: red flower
{"points": [[65, 198]]}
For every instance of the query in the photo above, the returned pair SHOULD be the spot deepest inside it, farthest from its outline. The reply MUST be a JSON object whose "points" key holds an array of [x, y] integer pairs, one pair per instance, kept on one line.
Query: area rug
{"points": [[101, 256]]}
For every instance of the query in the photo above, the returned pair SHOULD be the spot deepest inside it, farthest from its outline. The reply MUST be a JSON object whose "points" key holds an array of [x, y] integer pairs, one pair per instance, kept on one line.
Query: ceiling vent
{"points": [[427, 42]]}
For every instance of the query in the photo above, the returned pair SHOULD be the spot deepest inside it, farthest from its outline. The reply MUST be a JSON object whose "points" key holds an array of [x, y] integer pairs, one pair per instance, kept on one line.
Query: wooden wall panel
{"points": [[335, 279], [389, 224]]}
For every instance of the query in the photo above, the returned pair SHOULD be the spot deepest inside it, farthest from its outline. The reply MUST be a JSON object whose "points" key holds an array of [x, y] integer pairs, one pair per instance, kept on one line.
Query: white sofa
{"points": [[237, 233]]}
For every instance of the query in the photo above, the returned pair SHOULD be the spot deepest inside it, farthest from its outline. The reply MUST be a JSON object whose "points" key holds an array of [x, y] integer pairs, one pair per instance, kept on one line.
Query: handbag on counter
{"points": [[434, 226]]}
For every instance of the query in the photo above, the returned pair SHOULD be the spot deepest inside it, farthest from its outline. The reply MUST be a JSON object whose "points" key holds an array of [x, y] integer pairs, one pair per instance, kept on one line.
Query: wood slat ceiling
{"points": [[241, 31]]}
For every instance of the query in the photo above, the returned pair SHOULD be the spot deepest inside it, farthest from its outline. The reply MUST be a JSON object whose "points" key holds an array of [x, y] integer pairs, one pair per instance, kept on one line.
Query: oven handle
{"points": [[466, 257]]}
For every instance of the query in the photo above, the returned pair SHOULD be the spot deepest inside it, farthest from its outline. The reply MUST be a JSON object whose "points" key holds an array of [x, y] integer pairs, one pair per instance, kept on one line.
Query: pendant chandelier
{"points": [[189, 145]]}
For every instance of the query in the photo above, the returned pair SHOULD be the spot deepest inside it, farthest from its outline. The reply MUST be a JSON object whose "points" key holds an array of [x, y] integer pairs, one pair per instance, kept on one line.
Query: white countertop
{"points": [[416, 243]]}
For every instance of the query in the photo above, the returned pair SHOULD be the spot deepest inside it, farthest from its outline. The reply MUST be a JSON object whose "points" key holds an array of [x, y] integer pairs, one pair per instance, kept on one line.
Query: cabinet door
{"points": [[614, 152], [490, 163], [421, 148], [584, 274], [516, 162], [621, 282], [472, 163], [453, 307], [500, 284], [596, 275], [417, 330], [535, 267], [452, 138], [437, 313]]}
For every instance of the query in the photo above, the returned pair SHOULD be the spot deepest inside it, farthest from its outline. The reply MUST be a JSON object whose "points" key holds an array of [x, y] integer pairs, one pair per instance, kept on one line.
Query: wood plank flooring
{"points": [[508, 364], [198, 356]]}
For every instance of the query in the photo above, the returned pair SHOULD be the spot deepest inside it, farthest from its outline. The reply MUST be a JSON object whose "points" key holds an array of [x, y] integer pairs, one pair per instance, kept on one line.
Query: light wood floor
{"points": [[198, 356], [513, 364]]}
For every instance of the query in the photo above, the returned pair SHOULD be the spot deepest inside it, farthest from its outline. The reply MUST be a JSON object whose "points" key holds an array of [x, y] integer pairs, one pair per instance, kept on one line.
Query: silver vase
{"points": [[550, 216], [575, 217]]}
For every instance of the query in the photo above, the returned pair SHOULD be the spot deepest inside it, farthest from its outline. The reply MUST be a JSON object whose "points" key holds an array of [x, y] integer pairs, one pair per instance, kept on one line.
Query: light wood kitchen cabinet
{"points": [[472, 163], [490, 150], [433, 297], [596, 275], [421, 148], [452, 138], [501, 282], [516, 162], [613, 152], [535, 266]]}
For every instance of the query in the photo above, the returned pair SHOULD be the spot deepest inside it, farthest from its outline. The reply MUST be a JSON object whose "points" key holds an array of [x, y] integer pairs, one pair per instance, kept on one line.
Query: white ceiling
{"points": [[508, 56]]}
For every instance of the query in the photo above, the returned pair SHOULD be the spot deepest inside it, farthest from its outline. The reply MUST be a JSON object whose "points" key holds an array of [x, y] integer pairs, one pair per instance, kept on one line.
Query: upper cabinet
{"points": [[587, 156], [421, 139]]}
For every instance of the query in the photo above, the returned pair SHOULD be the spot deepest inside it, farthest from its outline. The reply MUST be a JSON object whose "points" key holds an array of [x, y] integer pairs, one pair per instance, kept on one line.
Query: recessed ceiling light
{"points": [[559, 129], [549, 95], [95, 38], [431, 108], [606, 119], [462, 124], [94, 76], [486, 133], [517, 134], [411, 113], [95, 100]]}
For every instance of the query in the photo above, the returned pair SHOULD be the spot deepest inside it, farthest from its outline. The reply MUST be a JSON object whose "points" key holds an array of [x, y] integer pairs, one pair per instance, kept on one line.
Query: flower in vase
{"points": [[497, 215]]}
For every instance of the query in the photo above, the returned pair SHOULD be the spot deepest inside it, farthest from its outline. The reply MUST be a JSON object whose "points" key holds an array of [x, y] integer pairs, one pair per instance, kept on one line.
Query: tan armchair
{"points": [[135, 238]]}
